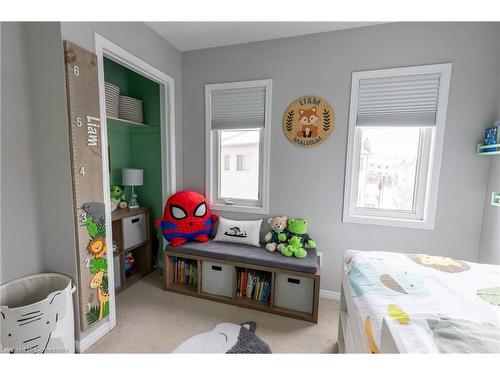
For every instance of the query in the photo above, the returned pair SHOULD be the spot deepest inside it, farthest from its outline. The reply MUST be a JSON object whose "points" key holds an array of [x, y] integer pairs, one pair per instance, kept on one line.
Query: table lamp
{"points": [[132, 177]]}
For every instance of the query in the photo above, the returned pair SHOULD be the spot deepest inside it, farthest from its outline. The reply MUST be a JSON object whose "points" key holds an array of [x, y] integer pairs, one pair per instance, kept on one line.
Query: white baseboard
{"points": [[328, 294], [83, 344]]}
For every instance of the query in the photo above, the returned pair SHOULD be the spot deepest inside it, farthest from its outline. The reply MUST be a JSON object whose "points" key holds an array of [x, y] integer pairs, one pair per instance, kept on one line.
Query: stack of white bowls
{"points": [[130, 109], [112, 94]]}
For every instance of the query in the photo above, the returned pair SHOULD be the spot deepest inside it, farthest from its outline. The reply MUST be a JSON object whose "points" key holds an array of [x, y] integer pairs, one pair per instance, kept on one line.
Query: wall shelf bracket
{"points": [[495, 198]]}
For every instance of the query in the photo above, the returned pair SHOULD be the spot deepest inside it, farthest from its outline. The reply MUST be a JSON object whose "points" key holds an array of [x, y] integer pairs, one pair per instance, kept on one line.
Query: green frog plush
{"points": [[298, 239]]}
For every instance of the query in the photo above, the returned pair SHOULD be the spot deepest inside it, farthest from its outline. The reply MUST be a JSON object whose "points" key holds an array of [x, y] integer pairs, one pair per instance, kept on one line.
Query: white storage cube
{"points": [[294, 293], [217, 279], [134, 231]]}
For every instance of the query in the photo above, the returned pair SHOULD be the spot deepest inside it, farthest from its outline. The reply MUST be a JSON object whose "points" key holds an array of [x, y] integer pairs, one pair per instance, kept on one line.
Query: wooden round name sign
{"points": [[308, 121]]}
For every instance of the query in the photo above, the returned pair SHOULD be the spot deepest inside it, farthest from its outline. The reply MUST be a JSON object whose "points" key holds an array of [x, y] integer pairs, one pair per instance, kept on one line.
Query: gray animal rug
{"points": [[226, 338]]}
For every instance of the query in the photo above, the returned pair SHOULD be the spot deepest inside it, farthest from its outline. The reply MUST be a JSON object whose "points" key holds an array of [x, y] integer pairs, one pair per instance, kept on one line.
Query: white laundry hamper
{"points": [[36, 314]]}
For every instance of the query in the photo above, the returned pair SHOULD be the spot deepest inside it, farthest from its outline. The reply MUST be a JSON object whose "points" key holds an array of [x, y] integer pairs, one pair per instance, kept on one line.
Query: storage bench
{"points": [[245, 276]]}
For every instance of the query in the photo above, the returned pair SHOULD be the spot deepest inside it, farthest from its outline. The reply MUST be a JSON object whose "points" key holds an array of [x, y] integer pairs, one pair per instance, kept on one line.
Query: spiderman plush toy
{"points": [[186, 218]]}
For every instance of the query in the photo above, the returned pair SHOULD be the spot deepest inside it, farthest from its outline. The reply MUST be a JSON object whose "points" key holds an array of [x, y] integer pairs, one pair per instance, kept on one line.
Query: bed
{"points": [[415, 303]]}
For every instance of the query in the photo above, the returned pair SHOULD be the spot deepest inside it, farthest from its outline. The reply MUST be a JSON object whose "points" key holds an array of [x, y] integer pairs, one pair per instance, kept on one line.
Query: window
{"points": [[238, 139], [243, 162], [243, 181], [396, 132], [227, 162]]}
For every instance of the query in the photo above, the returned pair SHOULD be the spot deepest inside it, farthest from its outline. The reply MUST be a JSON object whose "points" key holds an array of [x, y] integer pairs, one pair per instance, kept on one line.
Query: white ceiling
{"points": [[187, 36]]}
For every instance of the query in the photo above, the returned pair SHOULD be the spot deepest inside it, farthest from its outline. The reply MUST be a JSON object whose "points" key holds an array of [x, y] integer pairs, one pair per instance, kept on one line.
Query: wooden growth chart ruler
{"points": [[86, 153]]}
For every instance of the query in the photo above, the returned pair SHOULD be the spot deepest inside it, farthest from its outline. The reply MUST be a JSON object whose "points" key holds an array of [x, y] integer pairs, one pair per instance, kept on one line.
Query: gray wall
{"points": [[490, 237], [310, 182], [489, 251], [53, 158], [21, 250], [142, 41]]}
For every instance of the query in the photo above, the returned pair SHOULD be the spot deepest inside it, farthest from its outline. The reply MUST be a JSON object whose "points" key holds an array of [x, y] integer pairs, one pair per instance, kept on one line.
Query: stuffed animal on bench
{"points": [[298, 239], [276, 238], [186, 218]]}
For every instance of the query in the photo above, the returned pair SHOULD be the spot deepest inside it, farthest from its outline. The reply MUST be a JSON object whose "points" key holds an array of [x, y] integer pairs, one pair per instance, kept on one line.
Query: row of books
{"points": [[185, 271], [254, 284]]}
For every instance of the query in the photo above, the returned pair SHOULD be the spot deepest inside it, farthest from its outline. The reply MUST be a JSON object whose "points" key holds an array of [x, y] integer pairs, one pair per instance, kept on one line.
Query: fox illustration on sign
{"points": [[308, 121]]}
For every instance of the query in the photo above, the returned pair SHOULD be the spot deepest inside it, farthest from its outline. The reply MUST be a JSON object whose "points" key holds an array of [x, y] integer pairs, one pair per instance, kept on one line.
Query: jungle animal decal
{"points": [[100, 282], [98, 265], [443, 264], [95, 219], [308, 121], [97, 247], [377, 278], [30, 330]]}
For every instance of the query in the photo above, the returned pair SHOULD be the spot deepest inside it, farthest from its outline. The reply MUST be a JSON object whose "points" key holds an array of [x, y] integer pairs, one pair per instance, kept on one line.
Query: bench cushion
{"points": [[248, 254]]}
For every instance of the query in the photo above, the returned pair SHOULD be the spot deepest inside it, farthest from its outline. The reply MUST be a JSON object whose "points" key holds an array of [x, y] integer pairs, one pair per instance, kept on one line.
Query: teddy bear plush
{"points": [[298, 239], [276, 238]]}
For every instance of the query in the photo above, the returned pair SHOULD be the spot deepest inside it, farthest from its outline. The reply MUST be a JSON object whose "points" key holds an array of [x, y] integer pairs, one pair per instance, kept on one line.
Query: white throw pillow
{"points": [[245, 232]]}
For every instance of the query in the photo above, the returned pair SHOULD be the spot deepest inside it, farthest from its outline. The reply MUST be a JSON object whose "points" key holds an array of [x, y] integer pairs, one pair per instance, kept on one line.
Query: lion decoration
{"points": [[97, 247]]}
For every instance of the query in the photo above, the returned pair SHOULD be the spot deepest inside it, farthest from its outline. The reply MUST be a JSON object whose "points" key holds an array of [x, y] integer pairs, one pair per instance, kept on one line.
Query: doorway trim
{"points": [[108, 49]]}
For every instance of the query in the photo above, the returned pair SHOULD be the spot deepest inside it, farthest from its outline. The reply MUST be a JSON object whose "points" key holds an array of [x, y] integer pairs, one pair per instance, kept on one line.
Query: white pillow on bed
{"points": [[245, 232]]}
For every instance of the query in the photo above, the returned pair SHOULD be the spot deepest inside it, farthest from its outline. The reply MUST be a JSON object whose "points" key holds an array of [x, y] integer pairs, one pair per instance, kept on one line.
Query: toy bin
{"points": [[134, 231], [36, 314], [294, 293], [217, 279]]}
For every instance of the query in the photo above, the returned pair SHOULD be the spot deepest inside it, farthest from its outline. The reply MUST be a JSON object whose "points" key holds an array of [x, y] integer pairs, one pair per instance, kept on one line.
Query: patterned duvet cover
{"points": [[436, 304]]}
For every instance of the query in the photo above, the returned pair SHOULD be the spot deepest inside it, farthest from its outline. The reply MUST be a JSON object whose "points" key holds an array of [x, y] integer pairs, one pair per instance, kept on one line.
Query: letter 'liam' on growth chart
{"points": [[308, 121]]}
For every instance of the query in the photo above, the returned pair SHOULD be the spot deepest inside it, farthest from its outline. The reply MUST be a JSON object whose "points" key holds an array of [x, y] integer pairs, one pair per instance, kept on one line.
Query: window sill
{"points": [[389, 222], [239, 208]]}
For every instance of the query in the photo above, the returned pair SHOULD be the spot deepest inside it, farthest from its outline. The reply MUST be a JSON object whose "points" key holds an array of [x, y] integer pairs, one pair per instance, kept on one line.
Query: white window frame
{"points": [[213, 156], [428, 163]]}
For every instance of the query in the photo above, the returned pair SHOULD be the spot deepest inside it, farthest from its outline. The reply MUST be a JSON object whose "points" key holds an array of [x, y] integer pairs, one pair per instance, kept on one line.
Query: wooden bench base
{"points": [[196, 291]]}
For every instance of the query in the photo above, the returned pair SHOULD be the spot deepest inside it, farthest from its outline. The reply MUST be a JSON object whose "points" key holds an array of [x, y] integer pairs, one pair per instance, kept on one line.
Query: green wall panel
{"points": [[120, 150], [117, 75], [137, 147], [149, 91], [146, 154]]}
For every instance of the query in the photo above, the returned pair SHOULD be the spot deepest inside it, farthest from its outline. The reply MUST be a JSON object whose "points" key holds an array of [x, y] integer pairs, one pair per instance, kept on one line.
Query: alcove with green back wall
{"points": [[137, 147]]}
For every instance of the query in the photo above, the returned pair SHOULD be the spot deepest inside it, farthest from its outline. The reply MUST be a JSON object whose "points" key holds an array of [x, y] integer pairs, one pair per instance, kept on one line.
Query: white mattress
{"points": [[433, 304]]}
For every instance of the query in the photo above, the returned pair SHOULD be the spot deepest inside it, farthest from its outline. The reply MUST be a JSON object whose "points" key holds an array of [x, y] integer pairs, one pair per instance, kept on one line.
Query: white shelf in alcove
{"points": [[127, 122]]}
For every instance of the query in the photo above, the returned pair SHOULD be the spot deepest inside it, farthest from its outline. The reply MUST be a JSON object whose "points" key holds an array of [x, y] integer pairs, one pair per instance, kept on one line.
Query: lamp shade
{"points": [[132, 177]]}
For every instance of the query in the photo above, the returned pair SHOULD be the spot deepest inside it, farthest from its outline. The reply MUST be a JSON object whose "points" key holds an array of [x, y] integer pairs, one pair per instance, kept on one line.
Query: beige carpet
{"points": [[150, 320]]}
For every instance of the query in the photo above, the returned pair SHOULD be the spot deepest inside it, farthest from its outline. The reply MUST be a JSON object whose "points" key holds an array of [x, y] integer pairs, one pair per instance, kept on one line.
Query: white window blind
{"points": [[238, 108], [408, 100]]}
